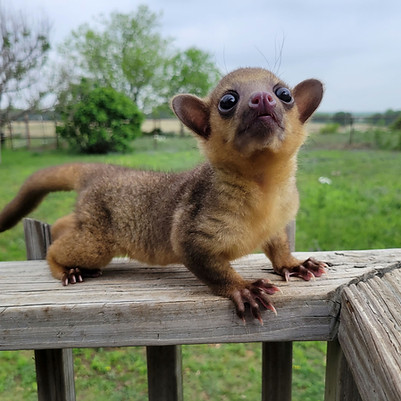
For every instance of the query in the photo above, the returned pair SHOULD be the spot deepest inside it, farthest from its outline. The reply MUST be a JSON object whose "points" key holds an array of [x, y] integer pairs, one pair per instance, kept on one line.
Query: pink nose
{"points": [[263, 102]]}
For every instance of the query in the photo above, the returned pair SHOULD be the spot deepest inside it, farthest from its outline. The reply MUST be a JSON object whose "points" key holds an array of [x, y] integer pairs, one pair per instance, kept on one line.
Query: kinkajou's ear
{"points": [[193, 112], [308, 95]]}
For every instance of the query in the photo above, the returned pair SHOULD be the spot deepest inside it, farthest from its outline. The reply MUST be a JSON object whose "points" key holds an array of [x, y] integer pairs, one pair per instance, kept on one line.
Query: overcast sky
{"points": [[353, 46]]}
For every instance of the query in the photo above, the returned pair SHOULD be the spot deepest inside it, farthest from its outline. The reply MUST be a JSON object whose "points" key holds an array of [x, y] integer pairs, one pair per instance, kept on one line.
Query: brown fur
{"points": [[241, 198]]}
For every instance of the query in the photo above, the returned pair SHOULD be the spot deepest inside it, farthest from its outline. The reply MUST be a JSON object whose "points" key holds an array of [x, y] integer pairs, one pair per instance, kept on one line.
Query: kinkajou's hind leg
{"points": [[63, 225], [76, 254]]}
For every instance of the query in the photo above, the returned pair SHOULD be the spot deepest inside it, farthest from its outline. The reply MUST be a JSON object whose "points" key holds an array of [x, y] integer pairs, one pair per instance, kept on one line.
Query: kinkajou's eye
{"points": [[283, 94], [228, 102]]}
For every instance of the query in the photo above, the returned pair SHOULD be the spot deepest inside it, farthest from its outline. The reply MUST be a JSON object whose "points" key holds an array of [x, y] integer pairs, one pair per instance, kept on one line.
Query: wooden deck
{"points": [[356, 307]]}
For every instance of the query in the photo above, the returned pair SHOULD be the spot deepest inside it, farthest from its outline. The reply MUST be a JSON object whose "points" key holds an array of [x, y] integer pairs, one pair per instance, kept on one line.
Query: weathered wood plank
{"points": [[54, 367], [136, 305], [370, 335]]}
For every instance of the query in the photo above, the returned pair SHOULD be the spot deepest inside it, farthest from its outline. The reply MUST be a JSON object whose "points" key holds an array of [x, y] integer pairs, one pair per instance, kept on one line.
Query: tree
{"points": [[322, 118], [125, 52], [98, 119], [343, 118], [24, 46], [396, 125], [385, 119], [191, 71]]}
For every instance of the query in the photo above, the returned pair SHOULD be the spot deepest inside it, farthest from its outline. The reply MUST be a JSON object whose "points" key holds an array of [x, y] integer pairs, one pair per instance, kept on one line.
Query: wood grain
{"points": [[370, 335], [132, 304]]}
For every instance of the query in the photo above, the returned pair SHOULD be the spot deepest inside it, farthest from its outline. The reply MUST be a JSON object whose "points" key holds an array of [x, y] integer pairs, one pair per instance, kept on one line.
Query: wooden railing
{"points": [[356, 307]]}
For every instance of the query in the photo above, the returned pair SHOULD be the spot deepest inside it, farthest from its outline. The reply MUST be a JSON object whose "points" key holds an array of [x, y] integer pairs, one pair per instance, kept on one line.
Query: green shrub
{"points": [[98, 120], [331, 128]]}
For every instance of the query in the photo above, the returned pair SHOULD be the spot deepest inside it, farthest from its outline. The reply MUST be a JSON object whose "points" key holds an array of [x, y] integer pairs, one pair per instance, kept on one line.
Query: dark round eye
{"points": [[227, 102], [284, 94]]}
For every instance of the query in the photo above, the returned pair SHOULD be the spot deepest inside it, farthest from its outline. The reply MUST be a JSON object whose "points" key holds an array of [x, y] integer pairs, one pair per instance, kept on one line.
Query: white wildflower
{"points": [[325, 180]]}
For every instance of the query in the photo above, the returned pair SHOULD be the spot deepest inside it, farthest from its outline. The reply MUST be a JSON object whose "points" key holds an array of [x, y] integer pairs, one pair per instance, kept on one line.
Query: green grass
{"points": [[359, 209], [215, 372]]}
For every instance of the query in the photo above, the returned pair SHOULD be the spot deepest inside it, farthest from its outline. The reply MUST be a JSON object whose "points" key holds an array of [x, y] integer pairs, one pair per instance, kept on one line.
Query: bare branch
{"points": [[24, 45]]}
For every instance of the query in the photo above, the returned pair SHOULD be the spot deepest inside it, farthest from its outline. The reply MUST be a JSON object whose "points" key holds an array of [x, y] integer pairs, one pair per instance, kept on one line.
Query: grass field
{"points": [[350, 199]]}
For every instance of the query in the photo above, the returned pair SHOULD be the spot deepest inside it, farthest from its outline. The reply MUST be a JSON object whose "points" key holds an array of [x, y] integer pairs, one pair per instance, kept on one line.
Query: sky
{"points": [[352, 46]]}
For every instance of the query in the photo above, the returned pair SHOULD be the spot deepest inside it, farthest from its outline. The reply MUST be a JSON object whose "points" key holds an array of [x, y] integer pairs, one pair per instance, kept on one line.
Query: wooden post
{"points": [[54, 367], [369, 334], [27, 131], [276, 371], [37, 239], [277, 357], [340, 384], [165, 373], [11, 135], [56, 133], [55, 374]]}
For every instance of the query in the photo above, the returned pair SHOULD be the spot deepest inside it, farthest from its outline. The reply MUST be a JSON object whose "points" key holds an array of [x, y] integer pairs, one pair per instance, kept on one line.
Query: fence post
{"points": [[11, 134], [277, 357], [340, 384], [276, 371], [27, 131], [54, 367], [164, 373]]}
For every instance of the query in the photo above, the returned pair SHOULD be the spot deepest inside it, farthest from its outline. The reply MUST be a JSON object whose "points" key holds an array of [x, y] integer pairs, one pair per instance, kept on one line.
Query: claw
{"points": [[254, 294], [322, 269], [272, 308], [308, 275], [286, 275], [78, 275], [239, 304], [256, 312], [72, 276], [266, 286], [64, 280], [308, 270], [267, 304]]}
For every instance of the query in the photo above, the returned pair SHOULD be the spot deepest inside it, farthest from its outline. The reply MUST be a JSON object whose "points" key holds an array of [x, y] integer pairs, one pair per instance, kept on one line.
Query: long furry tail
{"points": [[60, 178]]}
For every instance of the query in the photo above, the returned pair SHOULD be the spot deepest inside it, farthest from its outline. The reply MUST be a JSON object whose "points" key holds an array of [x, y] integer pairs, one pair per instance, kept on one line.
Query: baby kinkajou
{"points": [[250, 129]]}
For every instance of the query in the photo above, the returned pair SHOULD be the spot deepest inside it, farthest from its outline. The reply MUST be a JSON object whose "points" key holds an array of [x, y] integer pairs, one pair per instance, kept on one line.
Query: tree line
{"points": [[389, 118], [108, 74]]}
